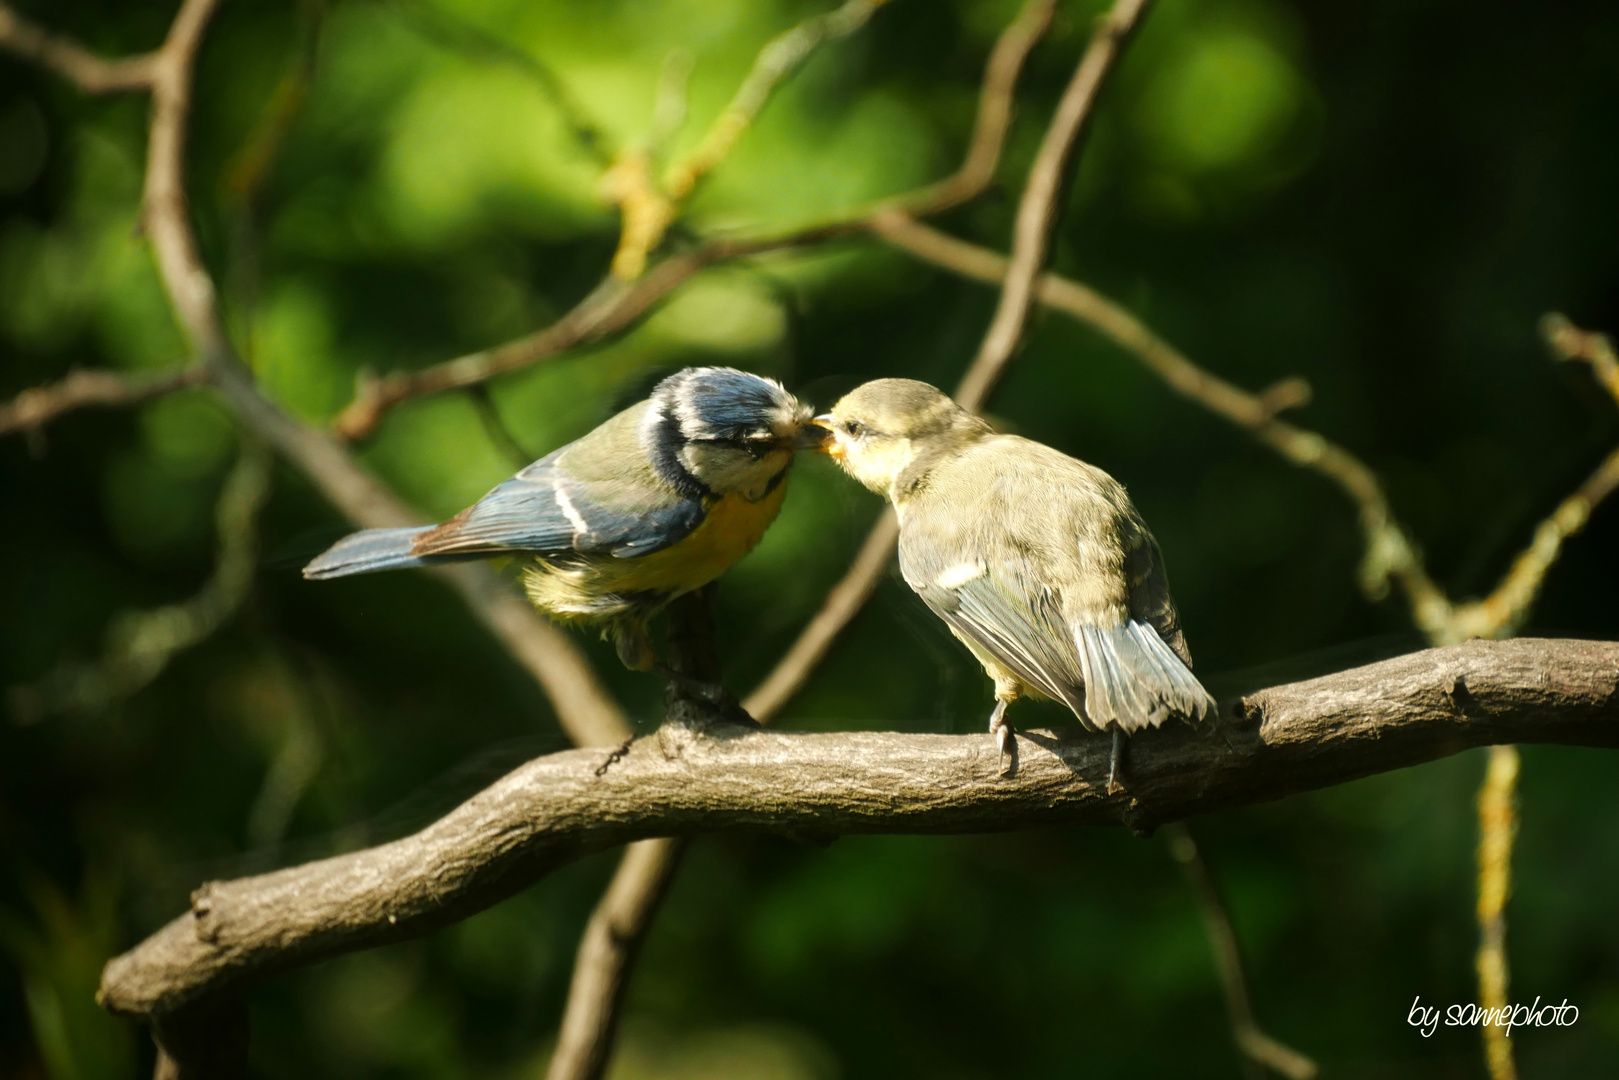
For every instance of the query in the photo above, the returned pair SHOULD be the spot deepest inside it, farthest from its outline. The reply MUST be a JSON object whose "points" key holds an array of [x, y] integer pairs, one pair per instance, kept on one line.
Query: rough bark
{"points": [[688, 779]]}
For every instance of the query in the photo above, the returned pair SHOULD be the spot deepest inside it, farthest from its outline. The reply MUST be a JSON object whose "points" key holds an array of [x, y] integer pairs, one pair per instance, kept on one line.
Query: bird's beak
{"points": [[817, 436]]}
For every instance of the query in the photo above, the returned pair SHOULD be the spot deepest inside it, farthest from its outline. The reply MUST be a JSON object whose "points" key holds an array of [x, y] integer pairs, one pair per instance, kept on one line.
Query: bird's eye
{"points": [[854, 429]]}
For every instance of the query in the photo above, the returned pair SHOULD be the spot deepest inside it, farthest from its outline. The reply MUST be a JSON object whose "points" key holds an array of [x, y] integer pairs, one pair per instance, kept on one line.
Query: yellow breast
{"points": [[609, 587]]}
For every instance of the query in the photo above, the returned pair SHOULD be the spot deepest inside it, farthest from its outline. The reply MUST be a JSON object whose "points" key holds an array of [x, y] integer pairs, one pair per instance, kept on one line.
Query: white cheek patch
{"points": [[958, 575]]}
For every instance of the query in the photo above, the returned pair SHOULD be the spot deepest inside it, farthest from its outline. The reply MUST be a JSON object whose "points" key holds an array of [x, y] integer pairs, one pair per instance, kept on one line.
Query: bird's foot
{"points": [[1115, 764], [1002, 729]]}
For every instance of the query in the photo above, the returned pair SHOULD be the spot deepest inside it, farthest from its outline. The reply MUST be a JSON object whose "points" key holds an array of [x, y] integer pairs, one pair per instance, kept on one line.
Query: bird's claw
{"points": [[1002, 729], [1115, 762], [712, 694]]}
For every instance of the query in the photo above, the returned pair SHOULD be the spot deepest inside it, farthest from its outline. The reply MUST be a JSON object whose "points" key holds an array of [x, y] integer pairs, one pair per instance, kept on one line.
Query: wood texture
{"points": [[690, 779]]}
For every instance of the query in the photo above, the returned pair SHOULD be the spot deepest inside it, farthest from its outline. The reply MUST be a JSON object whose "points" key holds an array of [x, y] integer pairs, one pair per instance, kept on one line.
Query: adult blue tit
{"points": [[658, 501], [1038, 562]]}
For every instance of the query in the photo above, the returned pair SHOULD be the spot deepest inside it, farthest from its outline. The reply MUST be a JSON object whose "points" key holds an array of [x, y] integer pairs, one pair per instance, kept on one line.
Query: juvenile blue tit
{"points": [[660, 500], [1037, 562]]}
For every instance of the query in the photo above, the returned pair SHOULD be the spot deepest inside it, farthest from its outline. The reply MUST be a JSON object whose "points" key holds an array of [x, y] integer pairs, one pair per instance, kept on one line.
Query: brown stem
{"points": [[607, 952], [614, 305], [32, 409], [1036, 214], [72, 61], [1389, 551], [1037, 210], [1257, 1048]]}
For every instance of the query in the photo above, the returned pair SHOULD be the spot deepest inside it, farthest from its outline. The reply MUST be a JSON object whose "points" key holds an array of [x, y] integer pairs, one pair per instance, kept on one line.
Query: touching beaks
{"points": [[816, 436]]}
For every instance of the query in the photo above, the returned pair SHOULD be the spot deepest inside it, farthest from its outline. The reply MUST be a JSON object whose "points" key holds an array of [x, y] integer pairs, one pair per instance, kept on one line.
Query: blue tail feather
{"points": [[363, 552]]}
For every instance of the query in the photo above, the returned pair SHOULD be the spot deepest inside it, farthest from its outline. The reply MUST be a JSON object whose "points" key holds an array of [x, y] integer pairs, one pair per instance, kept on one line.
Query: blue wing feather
{"points": [[544, 509]]}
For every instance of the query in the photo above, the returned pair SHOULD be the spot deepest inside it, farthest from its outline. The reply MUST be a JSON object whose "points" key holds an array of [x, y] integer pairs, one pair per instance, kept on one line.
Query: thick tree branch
{"points": [[607, 953], [683, 781], [80, 66]]}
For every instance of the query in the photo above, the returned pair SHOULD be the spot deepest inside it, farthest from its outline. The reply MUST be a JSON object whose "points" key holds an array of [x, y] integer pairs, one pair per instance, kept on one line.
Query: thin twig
{"points": [[646, 207], [611, 307], [445, 30], [777, 60], [1389, 551], [683, 781], [1257, 1048], [1037, 210], [614, 305], [1497, 824], [1036, 215], [839, 608], [607, 952], [80, 66], [142, 643], [32, 409], [994, 119]]}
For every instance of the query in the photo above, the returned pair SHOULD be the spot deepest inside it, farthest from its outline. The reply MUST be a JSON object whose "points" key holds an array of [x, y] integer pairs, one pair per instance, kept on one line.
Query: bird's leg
{"points": [[712, 692], [1116, 761], [1001, 728]]}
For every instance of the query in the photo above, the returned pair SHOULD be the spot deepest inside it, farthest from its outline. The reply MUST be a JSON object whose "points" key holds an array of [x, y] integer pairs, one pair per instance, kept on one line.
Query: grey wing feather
{"points": [[1022, 633], [1134, 679]]}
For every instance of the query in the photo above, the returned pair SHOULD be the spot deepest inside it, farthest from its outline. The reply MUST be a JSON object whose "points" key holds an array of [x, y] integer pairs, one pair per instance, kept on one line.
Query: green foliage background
{"points": [[1381, 197]]}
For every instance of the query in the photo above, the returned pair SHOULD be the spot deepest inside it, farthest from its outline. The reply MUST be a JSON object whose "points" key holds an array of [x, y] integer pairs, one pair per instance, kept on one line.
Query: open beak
{"points": [[816, 436]]}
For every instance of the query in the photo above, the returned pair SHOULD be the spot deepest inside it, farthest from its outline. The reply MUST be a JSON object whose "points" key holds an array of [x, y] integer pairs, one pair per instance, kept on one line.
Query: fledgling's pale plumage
{"points": [[1038, 562]]}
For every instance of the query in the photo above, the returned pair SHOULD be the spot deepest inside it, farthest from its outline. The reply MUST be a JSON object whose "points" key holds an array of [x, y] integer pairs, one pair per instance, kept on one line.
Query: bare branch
{"points": [[839, 608], [683, 782], [32, 409], [995, 106], [1497, 824], [1037, 211], [611, 307], [777, 60], [606, 953], [1389, 551], [582, 706], [72, 61], [1036, 214], [1257, 1048], [141, 643], [615, 305], [1572, 343]]}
